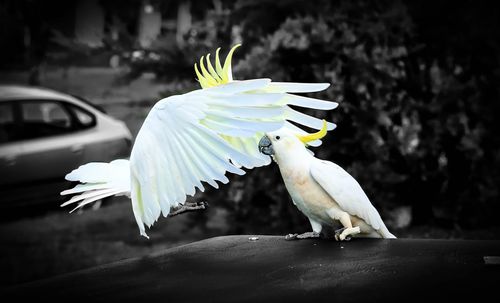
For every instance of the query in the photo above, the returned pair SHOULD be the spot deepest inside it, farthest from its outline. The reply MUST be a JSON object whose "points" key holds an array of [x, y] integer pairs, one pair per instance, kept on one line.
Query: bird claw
{"points": [[339, 238], [338, 235], [189, 206], [201, 205]]}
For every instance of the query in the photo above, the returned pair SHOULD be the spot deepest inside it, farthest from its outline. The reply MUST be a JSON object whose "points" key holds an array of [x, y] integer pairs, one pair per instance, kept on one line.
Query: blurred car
{"points": [[44, 134]]}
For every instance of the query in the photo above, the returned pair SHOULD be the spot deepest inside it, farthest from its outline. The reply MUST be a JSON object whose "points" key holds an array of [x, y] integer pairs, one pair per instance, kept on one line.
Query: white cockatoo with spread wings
{"points": [[190, 140]]}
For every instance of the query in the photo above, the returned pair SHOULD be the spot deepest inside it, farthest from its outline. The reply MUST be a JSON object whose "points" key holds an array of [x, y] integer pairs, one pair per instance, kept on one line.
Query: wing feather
{"points": [[247, 99], [346, 191], [295, 87], [310, 102], [306, 120], [255, 112], [238, 127]]}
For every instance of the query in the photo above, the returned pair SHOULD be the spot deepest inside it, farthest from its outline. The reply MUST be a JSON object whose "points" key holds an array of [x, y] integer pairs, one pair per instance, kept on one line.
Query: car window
{"points": [[84, 118], [7, 124], [44, 118]]}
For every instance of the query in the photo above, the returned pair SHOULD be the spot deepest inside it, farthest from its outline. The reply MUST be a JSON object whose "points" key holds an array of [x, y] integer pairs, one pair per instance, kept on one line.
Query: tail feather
{"points": [[89, 194], [95, 197], [98, 180], [386, 234], [84, 187]]}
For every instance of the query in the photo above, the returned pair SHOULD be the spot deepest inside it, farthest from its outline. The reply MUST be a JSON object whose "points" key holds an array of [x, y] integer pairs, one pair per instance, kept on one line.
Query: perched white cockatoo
{"points": [[320, 189], [197, 137]]}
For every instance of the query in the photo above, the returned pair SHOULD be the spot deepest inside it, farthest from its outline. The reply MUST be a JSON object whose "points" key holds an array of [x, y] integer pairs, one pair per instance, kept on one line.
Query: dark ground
{"points": [[55, 243], [235, 269]]}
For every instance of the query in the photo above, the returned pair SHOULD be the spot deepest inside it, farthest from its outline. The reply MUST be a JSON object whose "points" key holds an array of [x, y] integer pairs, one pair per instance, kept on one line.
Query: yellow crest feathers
{"points": [[215, 76], [314, 136]]}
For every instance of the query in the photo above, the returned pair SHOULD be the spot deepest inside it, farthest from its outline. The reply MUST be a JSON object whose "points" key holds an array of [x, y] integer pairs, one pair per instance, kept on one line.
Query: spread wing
{"points": [[346, 191], [195, 138]]}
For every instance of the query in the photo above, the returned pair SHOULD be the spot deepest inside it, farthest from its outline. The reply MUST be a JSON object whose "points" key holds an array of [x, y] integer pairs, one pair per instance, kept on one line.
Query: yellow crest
{"points": [[314, 136], [218, 75]]}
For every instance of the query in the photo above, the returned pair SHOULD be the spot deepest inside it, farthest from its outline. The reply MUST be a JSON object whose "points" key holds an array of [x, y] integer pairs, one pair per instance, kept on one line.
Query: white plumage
{"points": [[99, 180], [320, 189], [349, 195]]}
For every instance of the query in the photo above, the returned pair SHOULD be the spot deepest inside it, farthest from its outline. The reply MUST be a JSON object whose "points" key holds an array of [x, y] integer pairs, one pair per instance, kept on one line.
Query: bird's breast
{"points": [[308, 195]]}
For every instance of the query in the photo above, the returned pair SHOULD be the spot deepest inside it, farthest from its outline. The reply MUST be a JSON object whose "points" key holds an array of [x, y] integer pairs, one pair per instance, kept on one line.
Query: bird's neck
{"points": [[296, 161]]}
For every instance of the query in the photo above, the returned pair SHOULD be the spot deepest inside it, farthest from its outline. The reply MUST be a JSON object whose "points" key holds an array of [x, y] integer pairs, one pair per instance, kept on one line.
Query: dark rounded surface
{"points": [[235, 269]]}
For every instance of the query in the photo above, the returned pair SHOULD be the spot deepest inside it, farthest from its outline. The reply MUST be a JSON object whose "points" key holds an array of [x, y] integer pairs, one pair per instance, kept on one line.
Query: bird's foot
{"points": [[188, 206], [346, 233], [307, 235]]}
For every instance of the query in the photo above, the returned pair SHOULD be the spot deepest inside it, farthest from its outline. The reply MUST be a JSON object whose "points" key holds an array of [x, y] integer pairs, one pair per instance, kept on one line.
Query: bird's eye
{"points": [[278, 137]]}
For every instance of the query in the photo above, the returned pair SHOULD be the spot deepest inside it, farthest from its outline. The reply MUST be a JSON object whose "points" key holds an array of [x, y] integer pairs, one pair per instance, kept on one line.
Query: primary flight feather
{"points": [[190, 140]]}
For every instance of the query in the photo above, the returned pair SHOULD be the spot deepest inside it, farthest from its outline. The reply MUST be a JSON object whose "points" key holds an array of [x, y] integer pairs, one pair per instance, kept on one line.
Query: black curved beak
{"points": [[265, 146]]}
